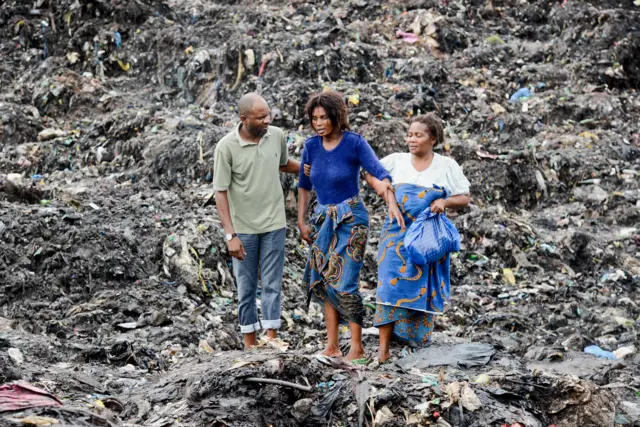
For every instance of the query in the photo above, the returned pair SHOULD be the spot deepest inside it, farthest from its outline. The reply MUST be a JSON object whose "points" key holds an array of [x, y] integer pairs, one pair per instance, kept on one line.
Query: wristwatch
{"points": [[230, 237]]}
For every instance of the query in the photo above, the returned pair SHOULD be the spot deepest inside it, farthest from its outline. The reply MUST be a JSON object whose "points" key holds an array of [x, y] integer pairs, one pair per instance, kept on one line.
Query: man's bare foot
{"points": [[332, 351], [355, 353], [272, 334], [250, 340]]}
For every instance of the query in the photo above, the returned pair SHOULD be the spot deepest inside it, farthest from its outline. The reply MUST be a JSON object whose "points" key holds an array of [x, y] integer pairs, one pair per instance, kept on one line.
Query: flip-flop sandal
{"points": [[361, 362]]}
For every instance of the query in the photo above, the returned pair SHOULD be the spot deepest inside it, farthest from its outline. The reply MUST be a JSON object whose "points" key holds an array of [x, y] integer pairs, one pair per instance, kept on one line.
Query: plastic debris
{"points": [[407, 37], [35, 420], [468, 355], [508, 276], [16, 355], [108, 209], [21, 396], [463, 393], [495, 39], [623, 352], [117, 39], [520, 94], [383, 416], [483, 379], [600, 353]]}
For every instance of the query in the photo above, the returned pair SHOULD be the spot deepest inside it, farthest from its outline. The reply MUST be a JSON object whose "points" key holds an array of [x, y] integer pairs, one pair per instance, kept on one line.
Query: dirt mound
{"points": [[117, 291]]}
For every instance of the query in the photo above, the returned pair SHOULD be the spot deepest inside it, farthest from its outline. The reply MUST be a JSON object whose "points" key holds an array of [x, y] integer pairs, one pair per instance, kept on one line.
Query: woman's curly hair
{"points": [[433, 124], [334, 105]]}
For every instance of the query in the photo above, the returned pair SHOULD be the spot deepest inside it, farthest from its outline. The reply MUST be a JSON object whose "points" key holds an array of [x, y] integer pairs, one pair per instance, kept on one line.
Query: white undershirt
{"points": [[443, 171]]}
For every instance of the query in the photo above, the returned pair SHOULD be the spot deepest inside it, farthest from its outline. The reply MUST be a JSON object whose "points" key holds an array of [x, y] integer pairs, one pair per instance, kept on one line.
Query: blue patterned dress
{"points": [[333, 269], [409, 295]]}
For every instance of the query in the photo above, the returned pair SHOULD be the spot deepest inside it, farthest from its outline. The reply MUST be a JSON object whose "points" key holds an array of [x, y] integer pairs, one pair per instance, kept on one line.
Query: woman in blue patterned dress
{"points": [[409, 296], [339, 226]]}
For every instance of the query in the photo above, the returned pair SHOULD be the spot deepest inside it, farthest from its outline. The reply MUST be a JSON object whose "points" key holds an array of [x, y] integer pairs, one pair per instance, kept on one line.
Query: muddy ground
{"points": [[116, 292]]}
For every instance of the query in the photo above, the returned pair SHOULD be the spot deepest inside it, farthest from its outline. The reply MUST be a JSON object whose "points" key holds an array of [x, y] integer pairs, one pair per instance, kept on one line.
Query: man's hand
{"points": [[307, 169], [438, 206], [236, 249], [305, 233]]}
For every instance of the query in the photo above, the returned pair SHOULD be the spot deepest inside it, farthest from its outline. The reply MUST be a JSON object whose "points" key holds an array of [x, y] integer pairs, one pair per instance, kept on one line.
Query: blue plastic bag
{"points": [[598, 352], [431, 237], [521, 94]]}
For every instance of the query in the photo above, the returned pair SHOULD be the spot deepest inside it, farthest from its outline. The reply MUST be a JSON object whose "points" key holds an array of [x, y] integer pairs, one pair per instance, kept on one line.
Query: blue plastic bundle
{"points": [[431, 237], [523, 93], [117, 38]]}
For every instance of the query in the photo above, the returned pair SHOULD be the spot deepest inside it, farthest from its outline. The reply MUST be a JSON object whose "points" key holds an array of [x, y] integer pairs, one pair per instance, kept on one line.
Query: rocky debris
{"points": [[117, 292]]}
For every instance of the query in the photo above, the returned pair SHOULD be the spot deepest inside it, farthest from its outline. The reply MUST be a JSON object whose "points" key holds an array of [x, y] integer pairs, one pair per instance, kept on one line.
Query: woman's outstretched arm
{"points": [[303, 204], [385, 190]]}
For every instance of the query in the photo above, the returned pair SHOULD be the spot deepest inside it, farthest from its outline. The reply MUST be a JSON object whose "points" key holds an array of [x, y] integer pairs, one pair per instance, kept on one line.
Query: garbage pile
{"points": [[118, 301]]}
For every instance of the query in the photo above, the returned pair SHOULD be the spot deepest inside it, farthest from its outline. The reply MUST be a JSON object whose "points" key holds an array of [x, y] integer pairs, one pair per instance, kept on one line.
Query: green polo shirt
{"points": [[250, 173]]}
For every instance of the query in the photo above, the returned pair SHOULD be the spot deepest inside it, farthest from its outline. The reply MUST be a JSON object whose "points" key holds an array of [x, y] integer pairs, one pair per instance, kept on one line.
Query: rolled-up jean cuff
{"points": [[271, 324], [247, 329]]}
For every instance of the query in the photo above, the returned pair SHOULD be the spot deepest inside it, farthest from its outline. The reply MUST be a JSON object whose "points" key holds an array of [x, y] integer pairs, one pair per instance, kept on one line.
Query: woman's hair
{"points": [[334, 105], [433, 124]]}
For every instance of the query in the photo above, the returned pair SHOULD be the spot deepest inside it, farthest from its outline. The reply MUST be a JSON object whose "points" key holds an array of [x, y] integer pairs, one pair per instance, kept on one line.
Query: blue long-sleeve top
{"points": [[335, 173]]}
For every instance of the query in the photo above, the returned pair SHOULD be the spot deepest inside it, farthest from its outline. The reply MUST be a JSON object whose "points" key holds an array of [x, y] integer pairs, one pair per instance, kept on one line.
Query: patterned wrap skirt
{"points": [[409, 295], [336, 256]]}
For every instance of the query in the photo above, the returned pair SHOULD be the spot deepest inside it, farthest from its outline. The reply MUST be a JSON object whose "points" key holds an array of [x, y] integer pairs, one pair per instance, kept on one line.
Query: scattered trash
{"points": [[463, 393], [431, 380], [495, 39], [598, 352], [320, 410], [117, 39], [49, 134], [35, 420], [520, 95], [467, 355], [623, 352], [631, 410], [508, 276], [115, 274], [483, 379], [407, 37], [383, 416], [16, 355], [21, 396]]}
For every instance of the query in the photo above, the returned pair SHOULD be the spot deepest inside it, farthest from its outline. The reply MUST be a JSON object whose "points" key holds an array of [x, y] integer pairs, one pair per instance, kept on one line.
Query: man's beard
{"points": [[258, 130]]}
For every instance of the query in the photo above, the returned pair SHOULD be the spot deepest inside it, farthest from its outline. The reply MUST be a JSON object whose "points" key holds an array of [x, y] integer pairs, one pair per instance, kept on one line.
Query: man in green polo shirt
{"points": [[250, 203]]}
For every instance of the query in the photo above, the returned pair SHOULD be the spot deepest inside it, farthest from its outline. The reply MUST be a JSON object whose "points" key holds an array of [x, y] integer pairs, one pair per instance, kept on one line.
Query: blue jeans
{"points": [[265, 253]]}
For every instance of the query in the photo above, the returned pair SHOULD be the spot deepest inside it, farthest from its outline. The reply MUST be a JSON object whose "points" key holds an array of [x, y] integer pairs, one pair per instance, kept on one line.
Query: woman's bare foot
{"points": [[355, 353], [332, 351], [383, 356]]}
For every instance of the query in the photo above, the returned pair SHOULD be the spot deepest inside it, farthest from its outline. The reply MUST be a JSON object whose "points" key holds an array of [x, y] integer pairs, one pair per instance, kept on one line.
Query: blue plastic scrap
{"points": [[600, 353], [117, 38], [520, 94], [389, 71]]}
